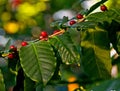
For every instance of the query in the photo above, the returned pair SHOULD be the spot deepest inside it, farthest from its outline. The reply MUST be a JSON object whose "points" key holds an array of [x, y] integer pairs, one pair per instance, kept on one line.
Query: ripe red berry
{"points": [[103, 8], [12, 47], [79, 16], [55, 31], [44, 34], [24, 43], [72, 22], [11, 56], [42, 38]]}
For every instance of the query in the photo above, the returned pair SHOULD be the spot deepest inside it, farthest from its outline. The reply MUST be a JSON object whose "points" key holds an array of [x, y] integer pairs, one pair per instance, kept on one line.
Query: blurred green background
{"points": [[24, 19]]}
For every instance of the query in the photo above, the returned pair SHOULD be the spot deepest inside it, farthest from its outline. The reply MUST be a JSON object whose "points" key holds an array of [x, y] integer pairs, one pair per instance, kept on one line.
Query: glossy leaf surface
{"points": [[38, 61], [66, 48]]}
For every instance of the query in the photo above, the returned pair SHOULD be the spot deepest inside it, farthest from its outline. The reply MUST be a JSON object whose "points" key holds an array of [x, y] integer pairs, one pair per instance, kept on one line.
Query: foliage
{"points": [[51, 61]]}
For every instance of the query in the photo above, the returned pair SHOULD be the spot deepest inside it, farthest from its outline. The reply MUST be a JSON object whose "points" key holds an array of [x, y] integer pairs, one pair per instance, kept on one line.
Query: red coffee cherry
{"points": [[13, 48], [24, 43], [11, 56], [44, 34], [72, 22], [41, 37], [79, 16], [103, 8]]}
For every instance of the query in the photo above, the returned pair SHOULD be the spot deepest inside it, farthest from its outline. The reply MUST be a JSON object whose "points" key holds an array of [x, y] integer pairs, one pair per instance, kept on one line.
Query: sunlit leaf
{"points": [[95, 6], [105, 16], [96, 53]]}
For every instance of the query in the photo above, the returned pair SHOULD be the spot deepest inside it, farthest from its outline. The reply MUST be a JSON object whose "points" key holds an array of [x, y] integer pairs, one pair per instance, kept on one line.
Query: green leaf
{"points": [[109, 85], [95, 17], [65, 19], [2, 85], [9, 77], [29, 85], [66, 48], [118, 42], [96, 53], [116, 10], [104, 16], [85, 25], [95, 6], [38, 61], [56, 24], [60, 23]]}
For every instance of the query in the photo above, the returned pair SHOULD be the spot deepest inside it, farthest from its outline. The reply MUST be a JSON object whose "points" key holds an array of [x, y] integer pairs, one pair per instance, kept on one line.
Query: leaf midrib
{"points": [[33, 45]]}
